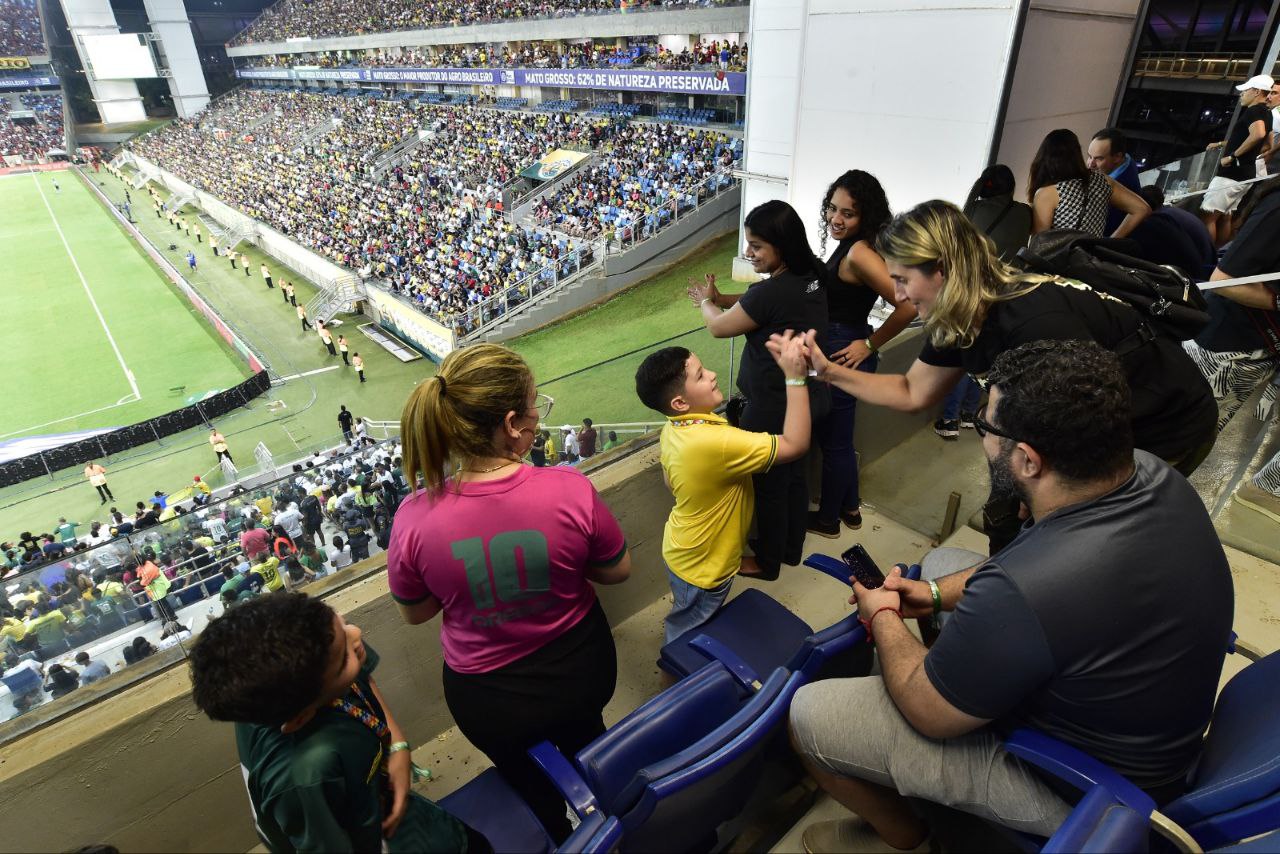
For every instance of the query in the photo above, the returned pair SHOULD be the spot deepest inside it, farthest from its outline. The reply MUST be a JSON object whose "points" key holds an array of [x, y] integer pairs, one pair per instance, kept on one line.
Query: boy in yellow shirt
{"points": [[708, 464]]}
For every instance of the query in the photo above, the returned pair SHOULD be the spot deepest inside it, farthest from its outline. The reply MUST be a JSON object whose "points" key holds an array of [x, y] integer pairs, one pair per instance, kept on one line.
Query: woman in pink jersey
{"points": [[506, 552]]}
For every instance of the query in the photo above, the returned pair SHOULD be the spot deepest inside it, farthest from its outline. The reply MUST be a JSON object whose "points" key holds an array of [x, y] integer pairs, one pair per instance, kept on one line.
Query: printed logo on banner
{"points": [[688, 82], [10, 63]]}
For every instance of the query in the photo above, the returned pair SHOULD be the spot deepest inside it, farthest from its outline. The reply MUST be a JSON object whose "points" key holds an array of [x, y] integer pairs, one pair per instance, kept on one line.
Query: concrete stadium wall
{"points": [[634, 23], [713, 219], [144, 770], [1051, 87], [314, 266]]}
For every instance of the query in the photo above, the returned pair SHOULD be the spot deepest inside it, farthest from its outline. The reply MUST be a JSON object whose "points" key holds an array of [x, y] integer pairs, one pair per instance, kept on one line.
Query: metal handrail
{"points": [[1216, 66]]}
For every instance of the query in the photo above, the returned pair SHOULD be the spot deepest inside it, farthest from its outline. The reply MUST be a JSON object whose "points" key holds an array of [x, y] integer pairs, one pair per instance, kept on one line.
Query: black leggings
{"points": [[556, 693]]}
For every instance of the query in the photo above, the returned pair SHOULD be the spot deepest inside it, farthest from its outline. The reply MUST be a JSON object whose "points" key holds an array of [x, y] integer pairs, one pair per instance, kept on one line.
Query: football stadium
{"points": [[639, 425]]}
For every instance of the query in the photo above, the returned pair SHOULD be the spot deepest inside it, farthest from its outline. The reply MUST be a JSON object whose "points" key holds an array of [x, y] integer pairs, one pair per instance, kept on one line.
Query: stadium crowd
{"points": [[651, 173], [638, 53], [32, 140], [115, 584], [431, 226], [20, 32], [323, 18], [1096, 413]]}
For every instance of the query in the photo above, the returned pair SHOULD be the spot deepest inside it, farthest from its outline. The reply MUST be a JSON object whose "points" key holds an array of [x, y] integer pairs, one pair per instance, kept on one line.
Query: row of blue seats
{"points": [[685, 115], [512, 103], [610, 109], [567, 106], [679, 770]]}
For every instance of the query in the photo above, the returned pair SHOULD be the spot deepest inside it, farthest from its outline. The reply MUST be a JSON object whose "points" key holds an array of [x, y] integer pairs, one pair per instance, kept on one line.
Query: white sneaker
{"points": [[850, 836]]}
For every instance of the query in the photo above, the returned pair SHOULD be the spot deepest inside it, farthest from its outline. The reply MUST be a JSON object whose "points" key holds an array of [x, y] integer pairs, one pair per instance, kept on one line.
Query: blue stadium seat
{"points": [[1234, 788], [668, 773], [1100, 824], [763, 633], [491, 807], [595, 834]]}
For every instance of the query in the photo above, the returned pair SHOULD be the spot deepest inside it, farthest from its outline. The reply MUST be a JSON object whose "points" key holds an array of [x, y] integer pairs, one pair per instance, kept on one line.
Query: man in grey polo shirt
{"points": [[1103, 624]]}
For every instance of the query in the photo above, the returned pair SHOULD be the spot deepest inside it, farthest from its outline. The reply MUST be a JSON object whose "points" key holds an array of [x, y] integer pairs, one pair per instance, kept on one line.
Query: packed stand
{"points": [[323, 18], [20, 33], [649, 173], [32, 140], [431, 226], [88, 587], [639, 53]]}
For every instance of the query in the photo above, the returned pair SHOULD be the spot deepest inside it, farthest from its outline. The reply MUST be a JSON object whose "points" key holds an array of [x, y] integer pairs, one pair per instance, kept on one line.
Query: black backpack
{"points": [[1168, 300]]}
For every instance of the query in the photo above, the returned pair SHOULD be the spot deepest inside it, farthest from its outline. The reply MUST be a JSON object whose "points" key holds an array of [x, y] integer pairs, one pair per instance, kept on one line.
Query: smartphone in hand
{"points": [[864, 569]]}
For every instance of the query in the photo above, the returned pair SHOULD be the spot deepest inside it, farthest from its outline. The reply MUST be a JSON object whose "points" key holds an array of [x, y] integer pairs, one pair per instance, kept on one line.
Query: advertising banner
{"points": [[429, 337], [634, 80], [14, 63], [552, 164], [28, 81]]}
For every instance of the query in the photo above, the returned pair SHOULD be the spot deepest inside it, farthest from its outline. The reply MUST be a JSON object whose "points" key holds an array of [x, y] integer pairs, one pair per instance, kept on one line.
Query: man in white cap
{"points": [[1245, 140]]}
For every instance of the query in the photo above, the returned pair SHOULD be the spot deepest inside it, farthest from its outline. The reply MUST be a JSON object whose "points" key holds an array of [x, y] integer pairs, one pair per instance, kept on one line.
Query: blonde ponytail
{"points": [[450, 417]]}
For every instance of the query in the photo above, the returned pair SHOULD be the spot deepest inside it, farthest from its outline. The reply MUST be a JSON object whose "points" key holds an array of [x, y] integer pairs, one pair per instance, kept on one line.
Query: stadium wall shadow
{"points": [[122, 439]]}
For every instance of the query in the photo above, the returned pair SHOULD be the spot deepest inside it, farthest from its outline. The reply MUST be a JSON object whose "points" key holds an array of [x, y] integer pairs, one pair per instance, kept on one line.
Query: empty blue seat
{"points": [[1233, 791], [669, 783], [491, 807], [766, 635]]}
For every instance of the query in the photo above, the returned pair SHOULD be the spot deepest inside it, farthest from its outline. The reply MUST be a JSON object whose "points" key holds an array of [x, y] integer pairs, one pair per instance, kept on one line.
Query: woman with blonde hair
{"points": [[975, 307], [507, 553]]}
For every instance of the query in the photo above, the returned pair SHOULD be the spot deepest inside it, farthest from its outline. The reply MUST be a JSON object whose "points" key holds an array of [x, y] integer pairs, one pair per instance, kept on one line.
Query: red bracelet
{"points": [[866, 624]]}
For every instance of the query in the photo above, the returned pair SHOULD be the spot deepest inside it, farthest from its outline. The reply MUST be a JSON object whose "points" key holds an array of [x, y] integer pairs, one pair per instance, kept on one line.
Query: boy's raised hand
{"points": [[788, 350]]}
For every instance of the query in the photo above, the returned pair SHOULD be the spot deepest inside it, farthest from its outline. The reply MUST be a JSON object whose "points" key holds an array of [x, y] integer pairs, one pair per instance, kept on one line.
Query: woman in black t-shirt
{"points": [[792, 297], [975, 307], [853, 211]]}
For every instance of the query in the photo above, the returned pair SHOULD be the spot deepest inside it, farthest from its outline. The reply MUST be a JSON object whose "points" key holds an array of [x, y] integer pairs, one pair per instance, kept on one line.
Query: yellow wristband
{"points": [[872, 347]]}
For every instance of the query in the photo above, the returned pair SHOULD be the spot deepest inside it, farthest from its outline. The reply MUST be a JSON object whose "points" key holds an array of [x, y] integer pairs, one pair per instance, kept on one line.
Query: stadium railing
{"points": [[105, 626], [530, 290], [669, 213]]}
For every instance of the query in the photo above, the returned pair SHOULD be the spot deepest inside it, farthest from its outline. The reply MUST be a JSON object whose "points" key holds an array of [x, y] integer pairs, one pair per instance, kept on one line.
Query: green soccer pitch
{"points": [[98, 337]]}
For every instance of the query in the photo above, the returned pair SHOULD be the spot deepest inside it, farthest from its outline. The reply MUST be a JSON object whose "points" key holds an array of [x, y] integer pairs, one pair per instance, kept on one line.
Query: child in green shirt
{"points": [[326, 765]]}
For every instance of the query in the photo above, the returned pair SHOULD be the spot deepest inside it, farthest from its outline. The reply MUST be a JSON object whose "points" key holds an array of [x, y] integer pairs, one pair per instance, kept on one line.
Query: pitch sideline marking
{"points": [[127, 399], [133, 383], [284, 380]]}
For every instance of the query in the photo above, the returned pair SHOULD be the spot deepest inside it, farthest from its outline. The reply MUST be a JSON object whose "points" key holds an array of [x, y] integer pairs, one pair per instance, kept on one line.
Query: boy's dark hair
{"points": [[264, 661], [660, 377], [1070, 401]]}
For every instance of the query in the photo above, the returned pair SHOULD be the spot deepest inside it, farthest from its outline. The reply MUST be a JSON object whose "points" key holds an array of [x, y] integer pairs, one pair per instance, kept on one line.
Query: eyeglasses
{"points": [[542, 405], [982, 427]]}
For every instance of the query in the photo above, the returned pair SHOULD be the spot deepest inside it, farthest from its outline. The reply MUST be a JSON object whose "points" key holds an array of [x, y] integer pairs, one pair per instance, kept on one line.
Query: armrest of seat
{"points": [[840, 571], [1244, 648], [1075, 767], [831, 566], [565, 778], [738, 669], [1099, 823]]}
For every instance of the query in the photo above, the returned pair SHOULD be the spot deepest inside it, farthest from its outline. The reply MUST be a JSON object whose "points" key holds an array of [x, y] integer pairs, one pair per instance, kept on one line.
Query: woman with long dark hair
{"points": [[1065, 193], [992, 208], [854, 210], [792, 296]]}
